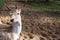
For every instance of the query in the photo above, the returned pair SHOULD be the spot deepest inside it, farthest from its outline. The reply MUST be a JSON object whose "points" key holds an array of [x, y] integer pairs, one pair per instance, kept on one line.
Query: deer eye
{"points": [[17, 13]]}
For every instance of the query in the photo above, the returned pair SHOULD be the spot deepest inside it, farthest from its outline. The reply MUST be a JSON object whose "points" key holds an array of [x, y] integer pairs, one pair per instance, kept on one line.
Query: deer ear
{"points": [[16, 6], [20, 10]]}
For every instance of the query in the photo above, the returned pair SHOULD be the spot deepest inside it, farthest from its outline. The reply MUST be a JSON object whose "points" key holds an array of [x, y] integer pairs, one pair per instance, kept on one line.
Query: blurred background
{"points": [[40, 18]]}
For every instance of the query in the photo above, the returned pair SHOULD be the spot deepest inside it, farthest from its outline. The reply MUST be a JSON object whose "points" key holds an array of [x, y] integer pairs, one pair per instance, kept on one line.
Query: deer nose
{"points": [[12, 20]]}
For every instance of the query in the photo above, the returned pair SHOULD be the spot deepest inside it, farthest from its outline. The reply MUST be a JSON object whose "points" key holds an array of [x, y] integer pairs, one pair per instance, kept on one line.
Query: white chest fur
{"points": [[16, 30]]}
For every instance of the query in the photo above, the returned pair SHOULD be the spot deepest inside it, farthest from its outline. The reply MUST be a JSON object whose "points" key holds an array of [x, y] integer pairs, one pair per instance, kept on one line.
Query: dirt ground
{"points": [[37, 25]]}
